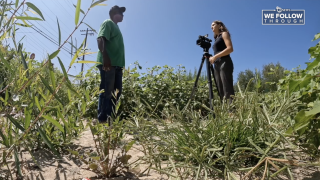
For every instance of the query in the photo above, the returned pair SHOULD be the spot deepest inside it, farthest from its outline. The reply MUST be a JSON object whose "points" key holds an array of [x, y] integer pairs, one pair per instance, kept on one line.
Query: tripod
{"points": [[210, 70]]}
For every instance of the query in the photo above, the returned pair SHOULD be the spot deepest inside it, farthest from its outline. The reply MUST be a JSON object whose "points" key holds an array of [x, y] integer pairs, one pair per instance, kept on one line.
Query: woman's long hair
{"points": [[223, 28]]}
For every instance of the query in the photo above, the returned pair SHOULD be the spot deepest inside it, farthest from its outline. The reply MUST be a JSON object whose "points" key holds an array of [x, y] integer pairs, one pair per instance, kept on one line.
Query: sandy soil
{"points": [[70, 168]]}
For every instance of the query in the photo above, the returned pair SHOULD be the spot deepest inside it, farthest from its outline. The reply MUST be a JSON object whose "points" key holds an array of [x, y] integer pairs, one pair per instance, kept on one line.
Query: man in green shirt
{"points": [[111, 57]]}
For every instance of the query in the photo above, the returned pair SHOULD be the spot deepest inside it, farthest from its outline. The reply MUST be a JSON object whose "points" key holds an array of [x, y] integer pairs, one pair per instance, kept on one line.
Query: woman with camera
{"points": [[223, 65]]}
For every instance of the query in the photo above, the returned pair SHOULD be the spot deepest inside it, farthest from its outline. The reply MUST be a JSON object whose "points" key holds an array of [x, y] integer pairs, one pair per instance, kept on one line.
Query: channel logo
{"points": [[281, 16]]}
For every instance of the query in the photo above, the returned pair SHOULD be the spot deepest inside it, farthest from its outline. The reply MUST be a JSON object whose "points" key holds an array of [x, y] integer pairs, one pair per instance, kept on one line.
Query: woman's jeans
{"points": [[110, 81], [223, 72]]}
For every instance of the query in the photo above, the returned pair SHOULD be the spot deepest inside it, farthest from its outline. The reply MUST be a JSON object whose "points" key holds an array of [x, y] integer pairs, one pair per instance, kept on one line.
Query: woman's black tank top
{"points": [[219, 45]]}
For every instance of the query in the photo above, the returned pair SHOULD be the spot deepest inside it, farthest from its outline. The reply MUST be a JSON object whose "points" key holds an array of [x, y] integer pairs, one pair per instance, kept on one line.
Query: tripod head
{"points": [[204, 42]]}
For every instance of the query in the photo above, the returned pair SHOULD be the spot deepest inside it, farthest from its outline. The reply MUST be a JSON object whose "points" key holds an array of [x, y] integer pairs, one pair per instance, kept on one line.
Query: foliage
{"points": [[271, 74], [244, 79], [193, 145], [269, 77], [157, 89], [304, 84], [51, 108], [110, 158]]}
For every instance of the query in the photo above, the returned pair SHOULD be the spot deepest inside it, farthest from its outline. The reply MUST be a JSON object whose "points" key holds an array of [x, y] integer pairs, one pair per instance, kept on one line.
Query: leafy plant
{"points": [[110, 158], [304, 84], [50, 105]]}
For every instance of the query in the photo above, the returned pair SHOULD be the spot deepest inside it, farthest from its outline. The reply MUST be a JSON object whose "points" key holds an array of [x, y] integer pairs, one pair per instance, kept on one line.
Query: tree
{"points": [[271, 74], [244, 79]]}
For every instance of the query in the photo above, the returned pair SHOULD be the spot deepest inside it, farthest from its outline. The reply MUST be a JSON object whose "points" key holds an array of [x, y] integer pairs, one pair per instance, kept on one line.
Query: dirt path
{"points": [[70, 168]]}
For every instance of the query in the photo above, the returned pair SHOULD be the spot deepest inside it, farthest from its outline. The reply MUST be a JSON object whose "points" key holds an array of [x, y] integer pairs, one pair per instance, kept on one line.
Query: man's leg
{"points": [[107, 83]]}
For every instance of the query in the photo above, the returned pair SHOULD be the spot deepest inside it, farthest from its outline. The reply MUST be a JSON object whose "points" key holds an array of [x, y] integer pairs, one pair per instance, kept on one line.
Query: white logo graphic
{"points": [[281, 16]]}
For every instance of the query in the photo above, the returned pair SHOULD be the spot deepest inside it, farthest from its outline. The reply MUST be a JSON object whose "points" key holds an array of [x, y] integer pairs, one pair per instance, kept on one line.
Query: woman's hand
{"points": [[212, 59]]}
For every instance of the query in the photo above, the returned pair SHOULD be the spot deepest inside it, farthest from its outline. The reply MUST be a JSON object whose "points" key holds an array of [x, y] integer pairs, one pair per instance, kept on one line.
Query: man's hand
{"points": [[106, 62]]}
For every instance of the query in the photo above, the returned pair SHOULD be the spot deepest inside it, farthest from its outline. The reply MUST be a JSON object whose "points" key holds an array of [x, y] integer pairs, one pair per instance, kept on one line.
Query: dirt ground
{"points": [[72, 169]]}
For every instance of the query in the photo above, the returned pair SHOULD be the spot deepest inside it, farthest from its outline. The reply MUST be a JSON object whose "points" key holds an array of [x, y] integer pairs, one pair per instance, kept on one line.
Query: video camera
{"points": [[204, 42]]}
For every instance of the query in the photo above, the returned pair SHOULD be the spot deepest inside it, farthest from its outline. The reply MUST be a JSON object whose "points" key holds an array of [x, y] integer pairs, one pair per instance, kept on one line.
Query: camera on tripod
{"points": [[204, 42]]}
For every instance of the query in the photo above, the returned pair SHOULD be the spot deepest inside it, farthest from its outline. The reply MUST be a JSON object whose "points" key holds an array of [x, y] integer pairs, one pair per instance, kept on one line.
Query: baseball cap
{"points": [[116, 9]]}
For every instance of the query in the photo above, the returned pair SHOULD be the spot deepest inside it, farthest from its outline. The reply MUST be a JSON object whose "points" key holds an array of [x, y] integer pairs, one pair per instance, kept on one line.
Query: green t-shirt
{"points": [[114, 44]]}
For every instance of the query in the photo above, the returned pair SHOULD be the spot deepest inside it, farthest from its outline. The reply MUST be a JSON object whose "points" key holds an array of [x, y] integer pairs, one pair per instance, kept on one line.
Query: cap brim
{"points": [[123, 9]]}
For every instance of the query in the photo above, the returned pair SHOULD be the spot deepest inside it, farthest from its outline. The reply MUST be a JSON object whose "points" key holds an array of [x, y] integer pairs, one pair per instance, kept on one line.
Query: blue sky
{"points": [[163, 32]]}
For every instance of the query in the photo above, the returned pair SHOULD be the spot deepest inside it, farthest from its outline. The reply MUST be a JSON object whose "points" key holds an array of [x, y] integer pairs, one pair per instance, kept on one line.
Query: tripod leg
{"points": [[196, 82], [214, 78], [209, 83]]}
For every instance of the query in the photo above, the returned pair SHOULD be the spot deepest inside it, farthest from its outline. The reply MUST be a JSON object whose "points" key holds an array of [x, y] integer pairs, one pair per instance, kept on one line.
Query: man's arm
{"points": [[106, 59]]}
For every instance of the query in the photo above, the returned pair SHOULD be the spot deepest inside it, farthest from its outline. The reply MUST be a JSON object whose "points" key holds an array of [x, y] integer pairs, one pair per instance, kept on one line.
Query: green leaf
{"points": [[87, 94], [77, 12], [311, 50], [313, 64], [69, 95], [315, 110], [129, 145], [294, 84], [17, 162], [93, 166], [23, 25], [6, 64], [83, 106], [90, 27], [76, 153], [80, 10], [54, 122], [59, 32], [95, 62], [256, 146], [17, 2], [37, 102], [24, 62], [50, 89], [27, 120], [86, 53], [64, 70], [5, 140], [97, 158], [76, 55], [73, 90], [135, 75], [54, 54], [97, 3], [301, 121], [46, 140], [53, 81], [317, 36], [6, 97], [27, 18], [32, 6], [15, 122]]}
